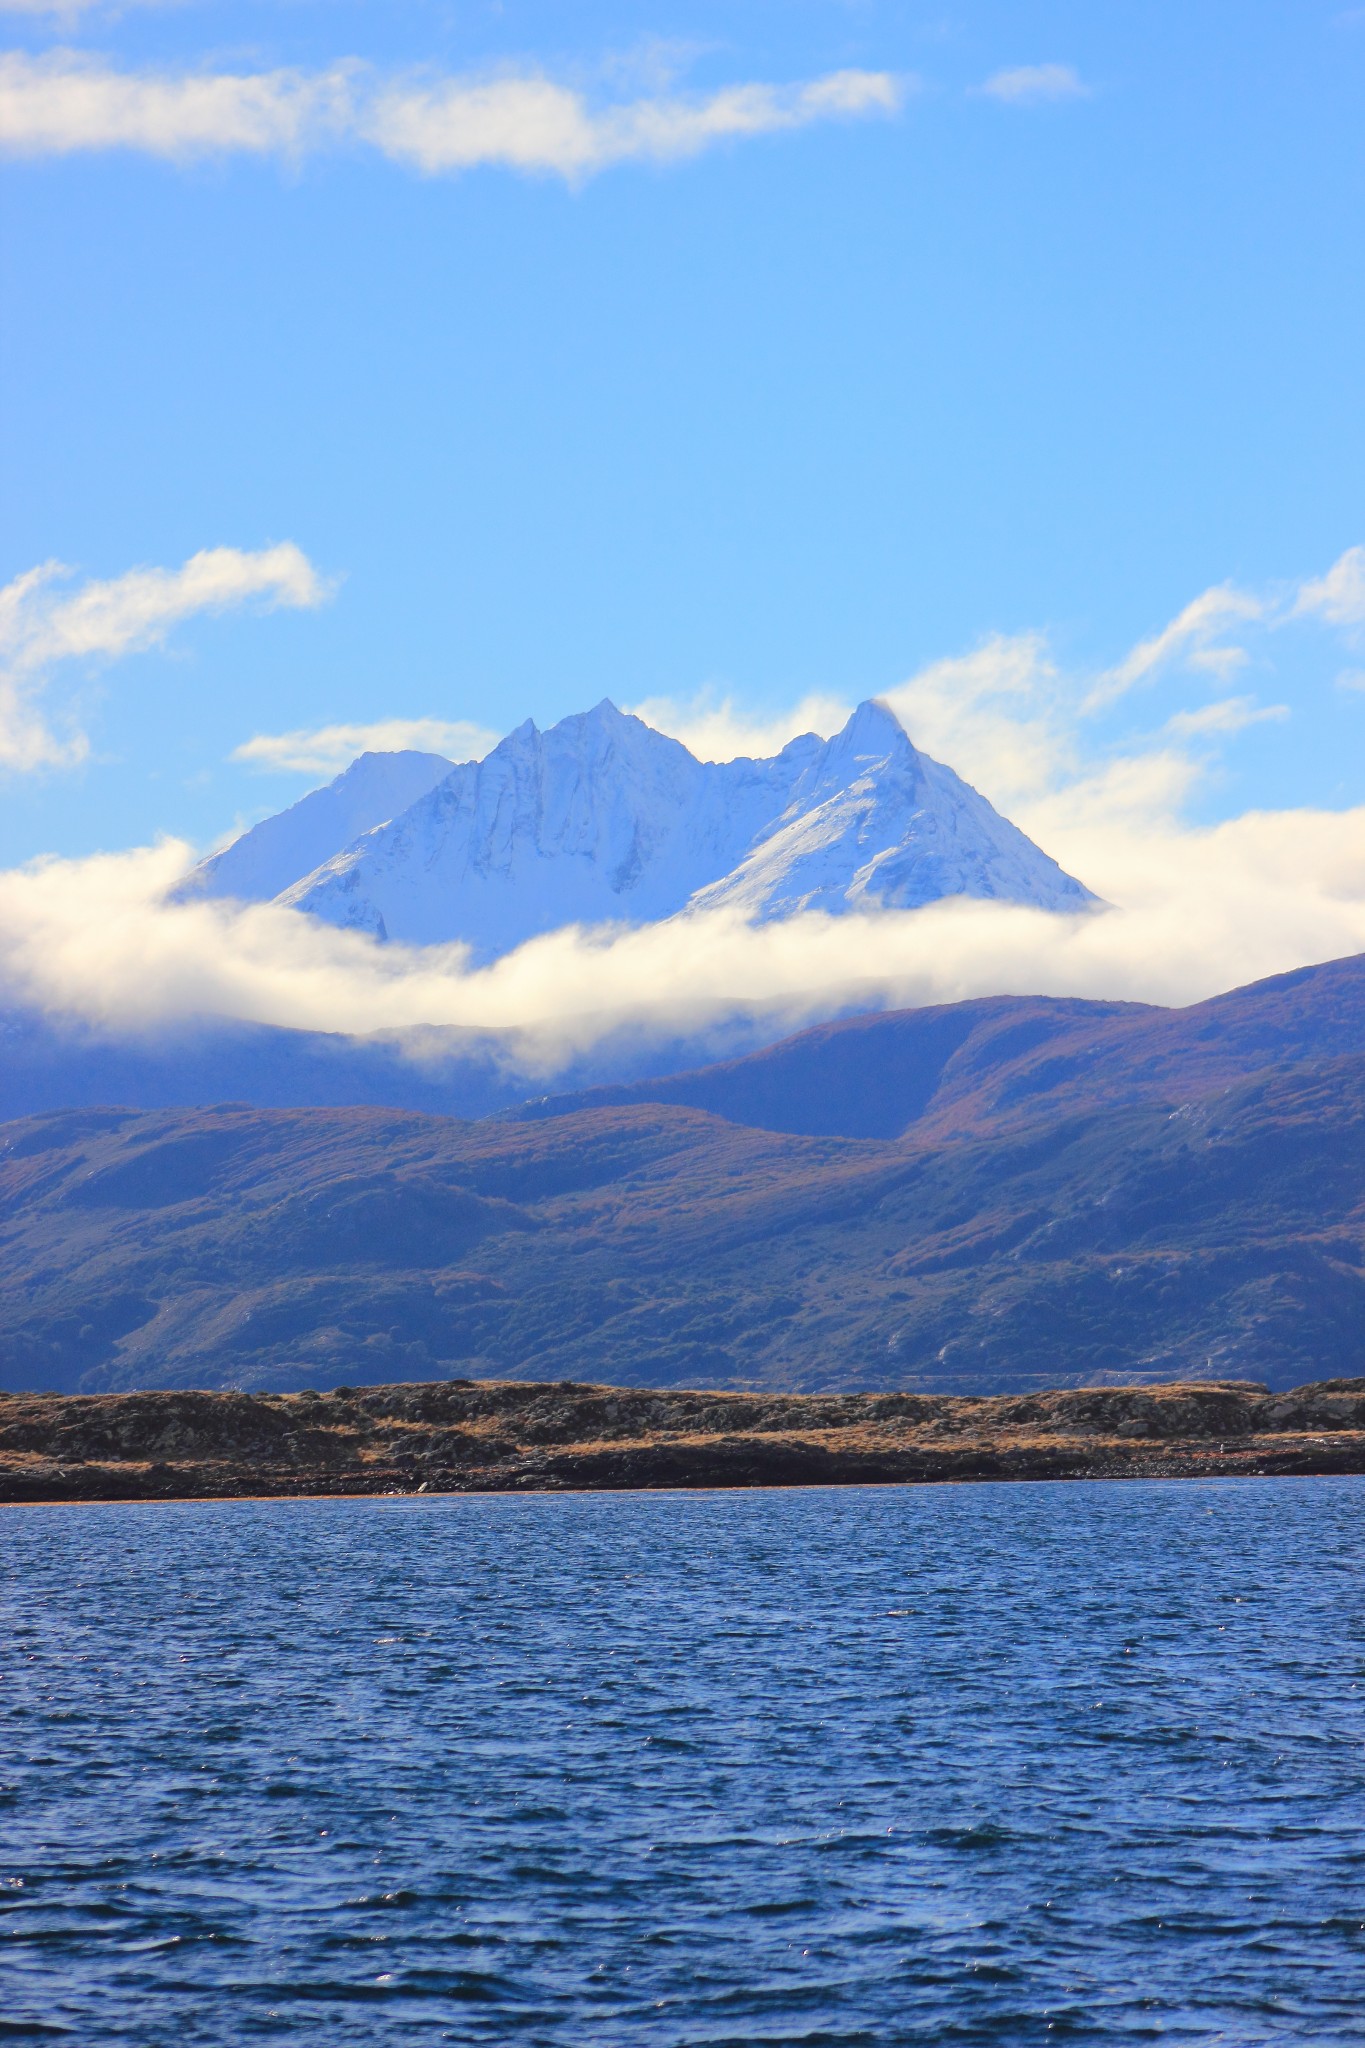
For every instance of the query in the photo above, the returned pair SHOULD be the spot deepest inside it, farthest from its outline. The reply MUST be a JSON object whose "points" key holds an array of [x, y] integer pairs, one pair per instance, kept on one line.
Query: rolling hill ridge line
{"points": [[995, 1060], [1121, 1196]]}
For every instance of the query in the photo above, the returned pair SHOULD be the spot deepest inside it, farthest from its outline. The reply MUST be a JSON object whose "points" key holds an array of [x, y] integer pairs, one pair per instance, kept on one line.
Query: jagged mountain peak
{"points": [[604, 713], [874, 727], [602, 819], [275, 854]]}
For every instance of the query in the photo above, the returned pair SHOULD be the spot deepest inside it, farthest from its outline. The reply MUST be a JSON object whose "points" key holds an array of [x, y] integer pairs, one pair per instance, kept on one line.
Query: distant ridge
{"points": [[875, 1075], [997, 1059], [1082, 1194]]}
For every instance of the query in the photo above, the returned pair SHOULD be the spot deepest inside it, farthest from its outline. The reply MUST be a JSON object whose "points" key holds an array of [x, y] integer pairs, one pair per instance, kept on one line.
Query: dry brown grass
{"points": [[479, 1436]]}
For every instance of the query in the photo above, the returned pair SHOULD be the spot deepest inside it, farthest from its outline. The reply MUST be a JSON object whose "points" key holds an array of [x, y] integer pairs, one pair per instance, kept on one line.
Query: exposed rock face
{"points": [[469, 1436]]}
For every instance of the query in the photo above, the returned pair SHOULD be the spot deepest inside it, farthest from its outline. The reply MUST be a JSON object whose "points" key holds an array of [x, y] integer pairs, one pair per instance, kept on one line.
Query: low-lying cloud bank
{"points": [[1195, 912]]}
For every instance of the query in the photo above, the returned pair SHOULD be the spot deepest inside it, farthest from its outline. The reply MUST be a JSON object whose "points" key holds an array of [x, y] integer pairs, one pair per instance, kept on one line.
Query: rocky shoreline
{"points": [[463, 1436]]}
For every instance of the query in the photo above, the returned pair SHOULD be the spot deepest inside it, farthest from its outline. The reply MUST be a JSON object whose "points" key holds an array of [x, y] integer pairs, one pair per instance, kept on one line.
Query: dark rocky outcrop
{"points": [[466, 1436]]}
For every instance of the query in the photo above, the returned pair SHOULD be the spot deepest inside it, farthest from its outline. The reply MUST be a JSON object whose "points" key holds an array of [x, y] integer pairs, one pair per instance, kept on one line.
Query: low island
{"points": [[479, 1436]]}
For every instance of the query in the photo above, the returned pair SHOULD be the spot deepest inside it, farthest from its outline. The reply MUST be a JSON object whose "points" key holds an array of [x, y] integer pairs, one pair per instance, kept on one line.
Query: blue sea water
{"points": [[1001, 1764]]}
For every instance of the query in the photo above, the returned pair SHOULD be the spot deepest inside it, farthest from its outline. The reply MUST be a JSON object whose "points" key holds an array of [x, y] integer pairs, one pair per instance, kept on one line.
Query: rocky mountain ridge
{"points": [[603, 820]]}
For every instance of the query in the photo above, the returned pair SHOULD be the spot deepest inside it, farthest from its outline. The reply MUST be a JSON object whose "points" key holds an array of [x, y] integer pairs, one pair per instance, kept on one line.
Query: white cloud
{"points": [[1030, 84], [329, 748], [57, 104], [1196, 636], [1195, 910], [523, 120], [73, 10], [1339, 596], [715, 730], [43, 622], [65, 15], [1198, 911], [532, 123], [1142, 793], [997, 715], [58, 10], [1228, 715], [1351, 679], [40, 624]]}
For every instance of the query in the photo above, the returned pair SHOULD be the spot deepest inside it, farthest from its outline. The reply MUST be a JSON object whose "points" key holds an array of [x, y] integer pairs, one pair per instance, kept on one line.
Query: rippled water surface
{"points": [[974, 1764]]}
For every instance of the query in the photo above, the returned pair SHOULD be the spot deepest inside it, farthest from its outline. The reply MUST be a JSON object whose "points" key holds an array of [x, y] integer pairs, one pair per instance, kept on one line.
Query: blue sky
{"points": [[796, 414]]}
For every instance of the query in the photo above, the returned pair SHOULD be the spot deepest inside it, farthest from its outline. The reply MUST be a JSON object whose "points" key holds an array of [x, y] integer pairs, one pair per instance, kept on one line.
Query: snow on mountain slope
{"points": [[601, 819], [874, 824], [281, 850]]}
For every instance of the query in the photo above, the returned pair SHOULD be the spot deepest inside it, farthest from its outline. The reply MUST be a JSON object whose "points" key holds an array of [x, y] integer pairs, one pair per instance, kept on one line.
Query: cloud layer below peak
{"points": [[1195, 909], [1202, 910]]}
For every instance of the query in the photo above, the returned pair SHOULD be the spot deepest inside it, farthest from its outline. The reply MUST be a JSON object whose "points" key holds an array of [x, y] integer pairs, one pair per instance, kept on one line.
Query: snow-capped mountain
{"points": [[601, 819], [281, 850], [871, 823]]}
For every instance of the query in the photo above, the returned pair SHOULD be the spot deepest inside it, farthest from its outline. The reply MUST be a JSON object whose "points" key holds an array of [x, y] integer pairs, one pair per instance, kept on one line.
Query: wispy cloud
{"points": [[66, 16], [1222, 719], [522, 120], [1208, 635], [1339, 596], [1196, 636], [715, 729], [53, 10], [328, 749], [1027, 732], [534, 124], [41, 622], [45, 622], [62, 103], [1029, 85], [1003, 715]]}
